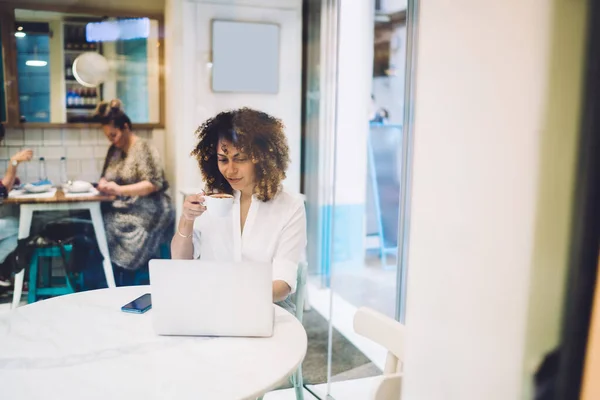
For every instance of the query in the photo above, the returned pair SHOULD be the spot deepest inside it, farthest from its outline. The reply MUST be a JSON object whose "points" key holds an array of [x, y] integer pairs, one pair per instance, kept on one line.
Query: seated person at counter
{"points": [[142, 216], [244, 153], [9, 225]]}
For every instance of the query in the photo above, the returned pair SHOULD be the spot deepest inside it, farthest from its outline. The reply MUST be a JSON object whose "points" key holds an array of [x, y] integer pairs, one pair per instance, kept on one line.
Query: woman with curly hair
{"points": [[244, 153]]}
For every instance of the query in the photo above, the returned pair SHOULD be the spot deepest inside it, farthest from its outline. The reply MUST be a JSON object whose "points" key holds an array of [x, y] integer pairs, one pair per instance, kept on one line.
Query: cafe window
{"points": [[68, 63]]}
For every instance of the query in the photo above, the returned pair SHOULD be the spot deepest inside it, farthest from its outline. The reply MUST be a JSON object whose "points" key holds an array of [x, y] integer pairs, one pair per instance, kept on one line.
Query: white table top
{"points": [[83, 346]]}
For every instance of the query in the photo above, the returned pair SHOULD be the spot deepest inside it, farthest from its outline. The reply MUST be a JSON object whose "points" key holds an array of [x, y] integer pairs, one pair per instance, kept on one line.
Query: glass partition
{"points": [[356, 157]]}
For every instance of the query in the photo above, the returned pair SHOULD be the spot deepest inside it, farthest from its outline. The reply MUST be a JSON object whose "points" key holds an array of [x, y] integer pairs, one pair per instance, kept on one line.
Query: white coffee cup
{"points": [[218, 204]]}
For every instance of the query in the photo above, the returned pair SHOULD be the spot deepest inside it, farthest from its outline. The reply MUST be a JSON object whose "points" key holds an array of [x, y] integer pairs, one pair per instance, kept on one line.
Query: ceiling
{"points": [[150, 6]]}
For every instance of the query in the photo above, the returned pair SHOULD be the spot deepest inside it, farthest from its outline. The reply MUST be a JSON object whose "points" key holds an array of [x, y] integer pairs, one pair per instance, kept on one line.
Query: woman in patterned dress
{"points": [[142, 217]]}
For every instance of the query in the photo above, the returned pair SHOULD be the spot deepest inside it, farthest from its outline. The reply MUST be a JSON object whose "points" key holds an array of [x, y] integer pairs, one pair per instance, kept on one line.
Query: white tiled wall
{"points": [[85, 150]]}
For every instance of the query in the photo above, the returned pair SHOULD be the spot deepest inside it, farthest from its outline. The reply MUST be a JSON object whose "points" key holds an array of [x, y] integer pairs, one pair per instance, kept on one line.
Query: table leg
{"points": [[18, 289], [102, 243], [25, 218]]}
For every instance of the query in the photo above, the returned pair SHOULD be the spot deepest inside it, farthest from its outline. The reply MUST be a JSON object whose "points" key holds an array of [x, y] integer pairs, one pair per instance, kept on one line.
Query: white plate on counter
{"points": [[79, 187], [29, 188]]}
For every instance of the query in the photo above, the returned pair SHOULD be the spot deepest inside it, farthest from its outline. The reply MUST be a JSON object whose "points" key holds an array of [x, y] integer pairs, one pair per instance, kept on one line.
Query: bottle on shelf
{"points": [[68, 35], [63, 171], [87, 99], [43, 175], [69, 70], [94, 97], [75, 97], [76, 40], [81, 97], [72, 37], [81, 37], [70, 98]]}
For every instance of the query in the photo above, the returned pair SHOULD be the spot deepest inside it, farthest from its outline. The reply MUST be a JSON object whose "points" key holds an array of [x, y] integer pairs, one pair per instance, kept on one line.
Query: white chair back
{"points": [[390, 334]]}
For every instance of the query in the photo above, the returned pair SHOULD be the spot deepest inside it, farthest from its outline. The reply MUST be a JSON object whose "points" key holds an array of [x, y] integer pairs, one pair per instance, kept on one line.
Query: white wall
{"points": [[190, 97], [355, 71], [84, 148], [496, 117]]}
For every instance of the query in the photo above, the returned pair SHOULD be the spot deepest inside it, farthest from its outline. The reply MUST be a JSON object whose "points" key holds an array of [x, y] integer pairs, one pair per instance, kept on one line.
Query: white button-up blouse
{"points": [[274, 232]]}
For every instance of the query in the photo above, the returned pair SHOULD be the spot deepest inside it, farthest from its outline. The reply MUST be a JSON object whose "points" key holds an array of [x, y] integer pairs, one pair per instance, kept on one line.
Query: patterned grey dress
{"points": [[136, 225]]}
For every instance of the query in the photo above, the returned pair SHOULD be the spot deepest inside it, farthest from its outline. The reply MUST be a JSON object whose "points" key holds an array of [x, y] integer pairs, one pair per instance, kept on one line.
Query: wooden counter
{"points": [[59, 197]]}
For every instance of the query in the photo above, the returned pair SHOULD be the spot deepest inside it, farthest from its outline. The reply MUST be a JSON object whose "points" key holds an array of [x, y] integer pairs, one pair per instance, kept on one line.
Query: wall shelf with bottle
{"points": [[81, 97], [80, 100]]}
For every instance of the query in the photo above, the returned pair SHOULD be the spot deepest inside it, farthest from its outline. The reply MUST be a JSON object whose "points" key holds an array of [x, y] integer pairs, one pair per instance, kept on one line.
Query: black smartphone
{"points": [[139, 305]]}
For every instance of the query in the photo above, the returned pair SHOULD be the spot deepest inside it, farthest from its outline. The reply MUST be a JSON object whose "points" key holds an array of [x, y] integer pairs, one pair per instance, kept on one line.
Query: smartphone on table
{"points": [[139, 305]]}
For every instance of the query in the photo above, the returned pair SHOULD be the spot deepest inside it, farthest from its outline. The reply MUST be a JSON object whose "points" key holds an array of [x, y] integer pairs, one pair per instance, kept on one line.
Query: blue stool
{"points": [[47, 289]]}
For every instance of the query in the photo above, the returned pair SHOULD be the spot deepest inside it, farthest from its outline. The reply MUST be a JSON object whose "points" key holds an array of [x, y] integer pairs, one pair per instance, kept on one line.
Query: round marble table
{"points": [[82, 346]]}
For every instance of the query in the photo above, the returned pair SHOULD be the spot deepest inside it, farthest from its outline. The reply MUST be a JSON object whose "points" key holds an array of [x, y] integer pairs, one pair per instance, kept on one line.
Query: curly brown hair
{"points": [[258, 135]]}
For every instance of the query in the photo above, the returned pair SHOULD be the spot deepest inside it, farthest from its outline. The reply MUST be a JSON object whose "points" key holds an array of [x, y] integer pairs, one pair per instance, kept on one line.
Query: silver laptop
{"points": [[206, 298]]}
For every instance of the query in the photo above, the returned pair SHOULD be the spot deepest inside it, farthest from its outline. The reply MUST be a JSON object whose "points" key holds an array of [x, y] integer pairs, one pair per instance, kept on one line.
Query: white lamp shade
{"points": [[90, 69]]}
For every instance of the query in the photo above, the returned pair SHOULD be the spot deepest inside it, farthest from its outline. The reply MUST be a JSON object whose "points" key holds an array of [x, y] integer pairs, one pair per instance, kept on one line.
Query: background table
{"points": [[60, 202], [82, 346]]}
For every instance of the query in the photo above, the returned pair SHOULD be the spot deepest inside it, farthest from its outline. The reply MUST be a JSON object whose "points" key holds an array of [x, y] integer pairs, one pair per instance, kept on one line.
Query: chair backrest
{"points": [[390, 334], [388, 387], [299, 295]]}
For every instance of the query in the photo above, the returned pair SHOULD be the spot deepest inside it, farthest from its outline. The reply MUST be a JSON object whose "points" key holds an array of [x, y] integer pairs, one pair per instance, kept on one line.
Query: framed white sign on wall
{"points": [[245, 57]]}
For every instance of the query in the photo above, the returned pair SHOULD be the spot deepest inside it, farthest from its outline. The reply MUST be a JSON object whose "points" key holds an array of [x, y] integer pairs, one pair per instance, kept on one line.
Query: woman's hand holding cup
{"points": [[193, 206]]}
